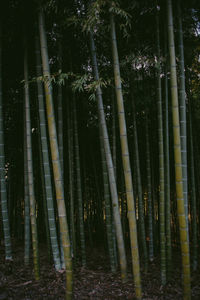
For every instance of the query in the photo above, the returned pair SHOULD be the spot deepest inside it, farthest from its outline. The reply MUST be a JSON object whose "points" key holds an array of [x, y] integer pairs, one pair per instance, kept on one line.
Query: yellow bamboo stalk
{"points": [[55, 159], [177, 156], [126, 165]]}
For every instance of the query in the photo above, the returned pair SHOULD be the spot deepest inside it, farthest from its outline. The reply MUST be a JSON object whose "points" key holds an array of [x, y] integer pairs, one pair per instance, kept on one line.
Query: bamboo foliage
{"points": [[3, 192], [126, 163], [30, 172], [177, 156], [46, 164], [55, 159], [110, 168]]}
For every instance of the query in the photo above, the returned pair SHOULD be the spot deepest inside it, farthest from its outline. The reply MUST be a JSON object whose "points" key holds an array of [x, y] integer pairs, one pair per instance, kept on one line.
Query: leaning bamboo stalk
{"points": [[126, 163], [110, 167], [106, 194], [46, 163], [55, 158]]}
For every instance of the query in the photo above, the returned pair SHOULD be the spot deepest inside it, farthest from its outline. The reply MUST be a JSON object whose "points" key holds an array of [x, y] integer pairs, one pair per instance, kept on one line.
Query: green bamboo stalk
{"points": [[114, 157], [161, 160], [182, 107], [149, 187], [139, 188], [60, 114], [3, 191], [193, 197], [79, 187], [126, 164], [106, 193], [71, 178], [114, 138], [98, 197], [110, 168], [60, 135], [26, 204], [177, 155], [167, 181], [55, 159], [46, 163], [43, 190], [30, 171]]}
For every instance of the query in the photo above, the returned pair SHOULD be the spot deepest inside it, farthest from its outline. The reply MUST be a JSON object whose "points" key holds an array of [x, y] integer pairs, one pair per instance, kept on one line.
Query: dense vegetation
{"points": [[99, 131]]}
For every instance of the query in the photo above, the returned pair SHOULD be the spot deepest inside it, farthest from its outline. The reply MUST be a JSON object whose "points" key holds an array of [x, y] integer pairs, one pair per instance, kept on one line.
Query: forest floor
{"points": [[93, 282]]}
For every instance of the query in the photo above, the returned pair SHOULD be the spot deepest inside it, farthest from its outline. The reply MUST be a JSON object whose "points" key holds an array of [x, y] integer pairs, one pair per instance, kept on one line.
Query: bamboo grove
{"points": [[99, 122]]}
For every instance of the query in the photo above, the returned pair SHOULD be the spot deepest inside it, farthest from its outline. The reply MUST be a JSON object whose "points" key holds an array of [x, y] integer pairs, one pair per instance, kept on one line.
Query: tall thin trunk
{"points": [[26, 203], [193, 198], [79, 186], [106, 194], [167, 181], [43, 190], [114, 138], [149, 188], [60, 135], [161, 161], [60, 115], [3, 192], [110, 168], [177, 155], [55, 159], [30, 172], [139, 188], [46, 164], [71, 178], [126, 164], [182, 107], [114, 158]]}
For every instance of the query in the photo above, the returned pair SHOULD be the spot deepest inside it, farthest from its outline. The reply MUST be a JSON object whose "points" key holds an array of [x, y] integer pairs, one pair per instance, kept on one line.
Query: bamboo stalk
{"points": [[177, 156]]}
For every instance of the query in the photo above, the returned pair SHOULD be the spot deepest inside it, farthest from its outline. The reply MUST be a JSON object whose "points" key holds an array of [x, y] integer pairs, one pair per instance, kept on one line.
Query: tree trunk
{"points": [[46, 164], [55, 159], [161, 161], [177, 155], [110, 168], [126, 164], [183, 119], [30, 172], [3, 192], [79, 186]]}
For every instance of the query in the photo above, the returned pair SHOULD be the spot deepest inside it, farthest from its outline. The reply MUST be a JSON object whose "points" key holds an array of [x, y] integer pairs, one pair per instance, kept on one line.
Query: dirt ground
{"points": [[93, 282]]}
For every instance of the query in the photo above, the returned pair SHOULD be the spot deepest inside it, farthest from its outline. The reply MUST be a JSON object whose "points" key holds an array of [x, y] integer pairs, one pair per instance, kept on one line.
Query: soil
{"points": [[93, 282]]}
